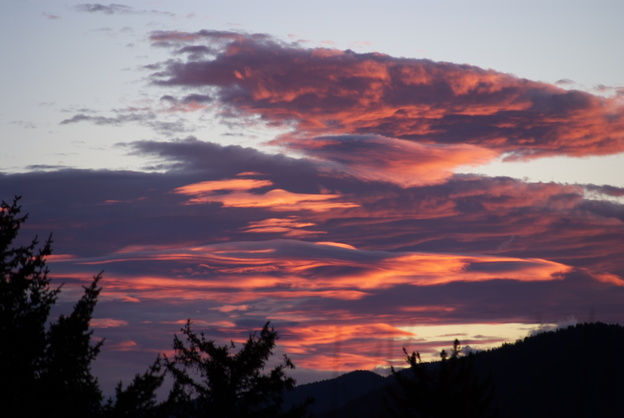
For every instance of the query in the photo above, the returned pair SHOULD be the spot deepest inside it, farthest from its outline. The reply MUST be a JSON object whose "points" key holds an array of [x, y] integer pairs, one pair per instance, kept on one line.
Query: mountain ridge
{"points": [[574, 372]]}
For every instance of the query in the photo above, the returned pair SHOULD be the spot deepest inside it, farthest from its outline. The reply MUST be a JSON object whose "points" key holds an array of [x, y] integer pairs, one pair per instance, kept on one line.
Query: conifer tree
{"points": [[209, 380], [44, 369], [66, 375]]}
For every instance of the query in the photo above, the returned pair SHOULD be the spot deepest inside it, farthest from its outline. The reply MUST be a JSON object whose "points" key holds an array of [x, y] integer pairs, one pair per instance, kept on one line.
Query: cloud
{"points": [[128, 345], [156, 121], [101, 8], [290, 227], [115, 9], [321, 92], [372, 157], [24, 124], [315, 266], [207, 187], [50, 16], [279, 200], [103, 120], [108, 322], [606, 190], [189, 103]]}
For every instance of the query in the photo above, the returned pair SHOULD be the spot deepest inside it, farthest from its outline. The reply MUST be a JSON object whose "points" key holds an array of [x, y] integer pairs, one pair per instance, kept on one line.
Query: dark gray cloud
{"points": [[606, 190], [117, 120], [145, 118]]}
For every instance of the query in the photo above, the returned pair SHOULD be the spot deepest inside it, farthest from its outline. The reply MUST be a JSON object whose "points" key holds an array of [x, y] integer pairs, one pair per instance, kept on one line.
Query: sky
{"points": [[365, 177]]}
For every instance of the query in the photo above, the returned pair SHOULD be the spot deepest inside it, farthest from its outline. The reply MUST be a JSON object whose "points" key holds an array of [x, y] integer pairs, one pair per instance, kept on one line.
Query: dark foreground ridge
{"points": [[571, 372]]}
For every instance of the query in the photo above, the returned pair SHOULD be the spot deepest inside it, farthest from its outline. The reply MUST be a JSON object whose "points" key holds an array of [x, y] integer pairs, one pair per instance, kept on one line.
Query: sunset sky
{"points": [[366, 177]]}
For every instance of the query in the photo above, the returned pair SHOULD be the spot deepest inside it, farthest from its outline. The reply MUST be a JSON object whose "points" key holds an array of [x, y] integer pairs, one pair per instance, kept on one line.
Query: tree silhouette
{"points": [[66, 375], [209, 380], [138, 399], [25, 302], [44, 370], [448, 388]]}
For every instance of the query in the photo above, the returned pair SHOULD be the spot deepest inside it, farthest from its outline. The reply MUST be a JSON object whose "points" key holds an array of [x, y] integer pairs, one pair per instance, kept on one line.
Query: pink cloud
{"points": [[108, 322], [393, 160]]}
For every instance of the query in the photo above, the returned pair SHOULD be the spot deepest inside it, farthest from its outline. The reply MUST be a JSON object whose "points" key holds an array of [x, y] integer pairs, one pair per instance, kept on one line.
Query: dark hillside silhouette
{"points": [[573, 372], [333, 394]]}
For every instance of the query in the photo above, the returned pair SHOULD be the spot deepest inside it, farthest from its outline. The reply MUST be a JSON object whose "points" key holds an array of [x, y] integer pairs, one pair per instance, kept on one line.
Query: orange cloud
{"points": [[205, 187], [303, 338], [337, 244], [277, 200], [232, 308], [609, 278], [289, 227], [343, 361], [354, 346], [60, 257]]}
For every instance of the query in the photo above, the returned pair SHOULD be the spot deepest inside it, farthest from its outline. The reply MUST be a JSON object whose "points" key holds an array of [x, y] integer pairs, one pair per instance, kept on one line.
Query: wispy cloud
{"points": [[115, 9], [117, 120]]}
